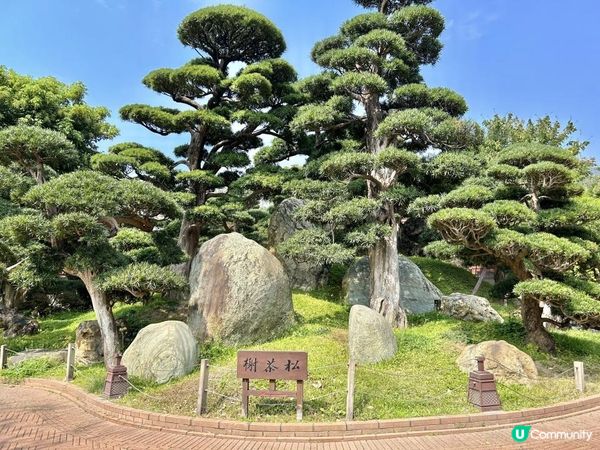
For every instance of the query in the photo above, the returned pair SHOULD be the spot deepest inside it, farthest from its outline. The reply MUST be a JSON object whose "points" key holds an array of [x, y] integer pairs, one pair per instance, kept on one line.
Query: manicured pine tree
{"points": [[46, 128], [530, 213], [387, 126], [98, 229], [224, 113]]}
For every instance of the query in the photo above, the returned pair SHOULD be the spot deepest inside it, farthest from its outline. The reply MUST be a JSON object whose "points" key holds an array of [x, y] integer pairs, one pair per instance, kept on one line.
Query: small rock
{"points": [[57, 356], [469, 307], [88, 343], [501, 358], [370, 336], [162, 351]]}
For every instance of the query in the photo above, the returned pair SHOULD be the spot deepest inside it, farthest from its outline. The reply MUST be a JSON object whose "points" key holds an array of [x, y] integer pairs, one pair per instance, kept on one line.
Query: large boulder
{"points": [[162, 351], [88, 343], [417, 293], [240, 292], [469, 307], [54, 356], [370, 336], [501, 358], [282, 225]]}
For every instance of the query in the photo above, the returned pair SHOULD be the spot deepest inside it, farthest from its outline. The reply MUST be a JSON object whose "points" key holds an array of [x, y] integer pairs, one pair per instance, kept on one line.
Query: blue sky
{"points": [[530, 57]]}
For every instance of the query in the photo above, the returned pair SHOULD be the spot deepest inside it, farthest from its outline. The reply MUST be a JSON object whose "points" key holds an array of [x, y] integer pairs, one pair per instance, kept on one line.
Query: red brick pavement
{"points": [[31, 417]]}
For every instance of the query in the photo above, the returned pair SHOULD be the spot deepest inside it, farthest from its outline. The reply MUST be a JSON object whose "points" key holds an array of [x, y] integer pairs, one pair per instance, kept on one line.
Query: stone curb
{"points": [[312, 432]]}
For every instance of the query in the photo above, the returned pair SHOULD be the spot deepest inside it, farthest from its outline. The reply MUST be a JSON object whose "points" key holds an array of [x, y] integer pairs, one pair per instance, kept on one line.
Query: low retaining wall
{"points": [[312, 432]]}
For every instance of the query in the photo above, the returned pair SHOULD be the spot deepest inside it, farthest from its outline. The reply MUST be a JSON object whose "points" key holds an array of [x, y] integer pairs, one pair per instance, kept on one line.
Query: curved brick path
{"points": [[35, 418]]}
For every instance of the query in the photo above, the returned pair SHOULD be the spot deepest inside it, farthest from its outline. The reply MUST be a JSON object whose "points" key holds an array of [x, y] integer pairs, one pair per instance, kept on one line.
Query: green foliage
{"points": [[359, 84], [141, 280], [462, 225], [507, 130], [455, 166], [367, 236], [418, 95], [571, 301], [315, 246], [355, 210], [522, 155], [193, 80], [468, 196], [510, 213], [397, 159], [577, 212], [231, 33], [442, 250], [83, 191], [201, 177], [420, 26], [555, 253], [347, 164], [423, 207], [47, 103]]}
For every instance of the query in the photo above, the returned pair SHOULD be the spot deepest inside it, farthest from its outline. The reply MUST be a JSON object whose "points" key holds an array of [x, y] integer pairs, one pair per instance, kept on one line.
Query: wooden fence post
{"points": [[579, 376], [70, 362], [3, 357], [350, 393], [203, 388]]}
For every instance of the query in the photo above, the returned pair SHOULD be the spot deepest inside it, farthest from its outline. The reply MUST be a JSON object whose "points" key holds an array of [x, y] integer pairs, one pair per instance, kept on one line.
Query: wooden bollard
{"points": [[579, 376], [203, 388], [350, 393], [3, 357], [70, 362]]}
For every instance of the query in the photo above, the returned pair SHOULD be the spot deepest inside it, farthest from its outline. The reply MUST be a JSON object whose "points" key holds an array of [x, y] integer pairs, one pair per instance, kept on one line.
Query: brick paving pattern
{"points": [[35, 418]]}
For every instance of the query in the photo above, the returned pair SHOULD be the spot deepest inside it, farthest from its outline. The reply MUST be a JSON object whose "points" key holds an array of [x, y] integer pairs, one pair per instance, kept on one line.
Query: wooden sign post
{"points": [[272, 366]]}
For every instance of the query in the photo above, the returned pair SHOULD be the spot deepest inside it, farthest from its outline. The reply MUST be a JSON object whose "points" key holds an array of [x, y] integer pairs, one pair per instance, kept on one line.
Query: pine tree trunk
{"points": [[188, 241], [385, 280], [11, 296], [189, 232], [531, 312], [105, 317], [383, 256]]}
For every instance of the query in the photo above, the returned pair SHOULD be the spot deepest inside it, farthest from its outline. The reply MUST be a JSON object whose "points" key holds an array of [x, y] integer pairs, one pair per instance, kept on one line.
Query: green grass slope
{"points": [[422, 379]]}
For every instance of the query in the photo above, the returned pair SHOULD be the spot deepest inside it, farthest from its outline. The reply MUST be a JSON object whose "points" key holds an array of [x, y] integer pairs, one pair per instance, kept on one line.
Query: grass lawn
{"points": [[422, 379]]}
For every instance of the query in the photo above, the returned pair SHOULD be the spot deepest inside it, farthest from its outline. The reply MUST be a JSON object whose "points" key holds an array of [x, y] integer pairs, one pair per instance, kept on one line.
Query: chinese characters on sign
{"points": [[272, 366], [250, 365]]}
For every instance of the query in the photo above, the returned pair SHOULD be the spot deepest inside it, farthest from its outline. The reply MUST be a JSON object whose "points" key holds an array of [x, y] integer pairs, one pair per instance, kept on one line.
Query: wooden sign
{"points": [[272, 366]]}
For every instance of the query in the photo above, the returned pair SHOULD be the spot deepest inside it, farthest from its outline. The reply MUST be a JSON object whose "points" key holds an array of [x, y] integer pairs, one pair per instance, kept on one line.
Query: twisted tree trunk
{"points": [[385, 279], [383, 256], [189, 232], [531, 312], [105, 317]]}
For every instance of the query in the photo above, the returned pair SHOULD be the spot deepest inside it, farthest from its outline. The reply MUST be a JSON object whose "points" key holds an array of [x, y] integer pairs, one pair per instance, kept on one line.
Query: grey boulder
{"points": [[284, 224], [161, 352], [469, 307], [54, 356], [370, 336], [240, 292], [417, 293]]}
